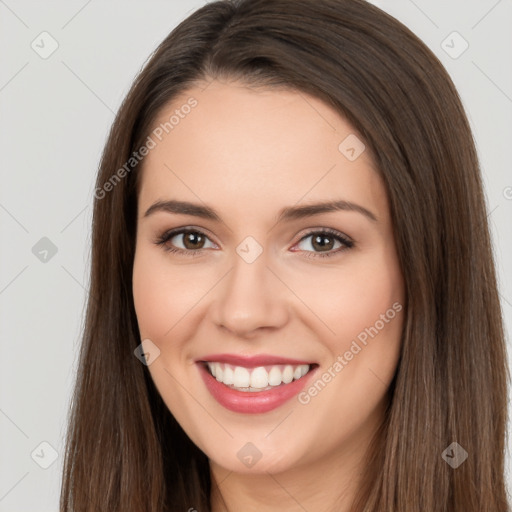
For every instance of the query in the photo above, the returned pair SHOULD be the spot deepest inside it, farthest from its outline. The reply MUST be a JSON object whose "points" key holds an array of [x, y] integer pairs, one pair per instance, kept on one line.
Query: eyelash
{"points": [[168, 235]]}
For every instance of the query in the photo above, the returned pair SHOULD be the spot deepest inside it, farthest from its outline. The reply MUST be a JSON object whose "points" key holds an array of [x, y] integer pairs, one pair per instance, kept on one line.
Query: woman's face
{"points": [[260, 289]]}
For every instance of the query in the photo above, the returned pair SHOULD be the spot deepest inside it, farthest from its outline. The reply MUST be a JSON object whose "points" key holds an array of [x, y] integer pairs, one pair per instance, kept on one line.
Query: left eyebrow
{"points": [[286, 214], [299, 212]]}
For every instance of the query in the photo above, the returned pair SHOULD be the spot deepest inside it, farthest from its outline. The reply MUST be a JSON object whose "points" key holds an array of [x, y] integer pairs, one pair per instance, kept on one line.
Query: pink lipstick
{"points": [[235, 381]]}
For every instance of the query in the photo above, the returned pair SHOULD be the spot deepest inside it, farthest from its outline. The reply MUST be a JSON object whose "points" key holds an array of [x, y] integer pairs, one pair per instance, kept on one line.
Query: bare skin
{"points": [[248, 153]]}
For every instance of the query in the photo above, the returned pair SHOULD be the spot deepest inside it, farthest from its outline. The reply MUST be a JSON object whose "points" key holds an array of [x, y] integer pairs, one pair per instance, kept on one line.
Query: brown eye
{"points": [[323, 243], [193, 240]]}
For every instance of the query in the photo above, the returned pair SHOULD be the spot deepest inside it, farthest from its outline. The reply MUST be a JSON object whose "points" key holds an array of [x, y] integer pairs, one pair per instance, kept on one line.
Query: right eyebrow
{"points": [[184, 208]]}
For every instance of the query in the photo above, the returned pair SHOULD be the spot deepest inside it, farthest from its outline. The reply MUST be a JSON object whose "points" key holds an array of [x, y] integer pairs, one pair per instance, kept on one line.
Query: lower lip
{"points": [[252, 402]]}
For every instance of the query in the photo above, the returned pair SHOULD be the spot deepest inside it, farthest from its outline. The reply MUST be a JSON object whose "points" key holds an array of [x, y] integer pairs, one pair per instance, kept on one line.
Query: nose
{"points": [[251, 299]]}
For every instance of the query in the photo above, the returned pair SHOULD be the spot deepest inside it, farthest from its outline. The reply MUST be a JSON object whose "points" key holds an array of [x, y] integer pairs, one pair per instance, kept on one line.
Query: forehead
{"points": [[228, 144]]}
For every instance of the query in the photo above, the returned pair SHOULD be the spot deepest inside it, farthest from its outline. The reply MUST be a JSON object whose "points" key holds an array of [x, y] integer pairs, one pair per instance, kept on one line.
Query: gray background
{"points": [[54, 117]]}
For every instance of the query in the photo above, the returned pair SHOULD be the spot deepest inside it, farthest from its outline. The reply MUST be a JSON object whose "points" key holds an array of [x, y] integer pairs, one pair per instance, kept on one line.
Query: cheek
{"points": [[159, 297], [365, 309], [149, 306], [162, 298], [355, 298], [367, 317], [369, 305], [164, 292]]}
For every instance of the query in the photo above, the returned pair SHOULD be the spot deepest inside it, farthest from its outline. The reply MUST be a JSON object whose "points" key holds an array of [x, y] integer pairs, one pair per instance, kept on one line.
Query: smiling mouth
{"points": [[257, 379]]}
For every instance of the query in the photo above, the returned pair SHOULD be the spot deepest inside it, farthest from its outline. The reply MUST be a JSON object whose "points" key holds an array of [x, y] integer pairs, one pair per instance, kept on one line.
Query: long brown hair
{"points": [[125, 451]]}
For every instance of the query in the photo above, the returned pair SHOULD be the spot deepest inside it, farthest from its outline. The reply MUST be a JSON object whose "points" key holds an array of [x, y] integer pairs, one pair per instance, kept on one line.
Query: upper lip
{"points": [[250, 361]]}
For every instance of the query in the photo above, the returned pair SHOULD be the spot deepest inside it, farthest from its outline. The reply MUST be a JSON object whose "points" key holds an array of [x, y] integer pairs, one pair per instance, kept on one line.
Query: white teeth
{"points": [[219, 372], [259, 378], [274, 376], [256, 379], [241, 377], [228, 375], [287, 374]]}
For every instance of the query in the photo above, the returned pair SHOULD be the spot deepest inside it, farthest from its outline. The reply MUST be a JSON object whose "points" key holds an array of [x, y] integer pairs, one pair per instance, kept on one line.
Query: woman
{"points": [[232, 359]]}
